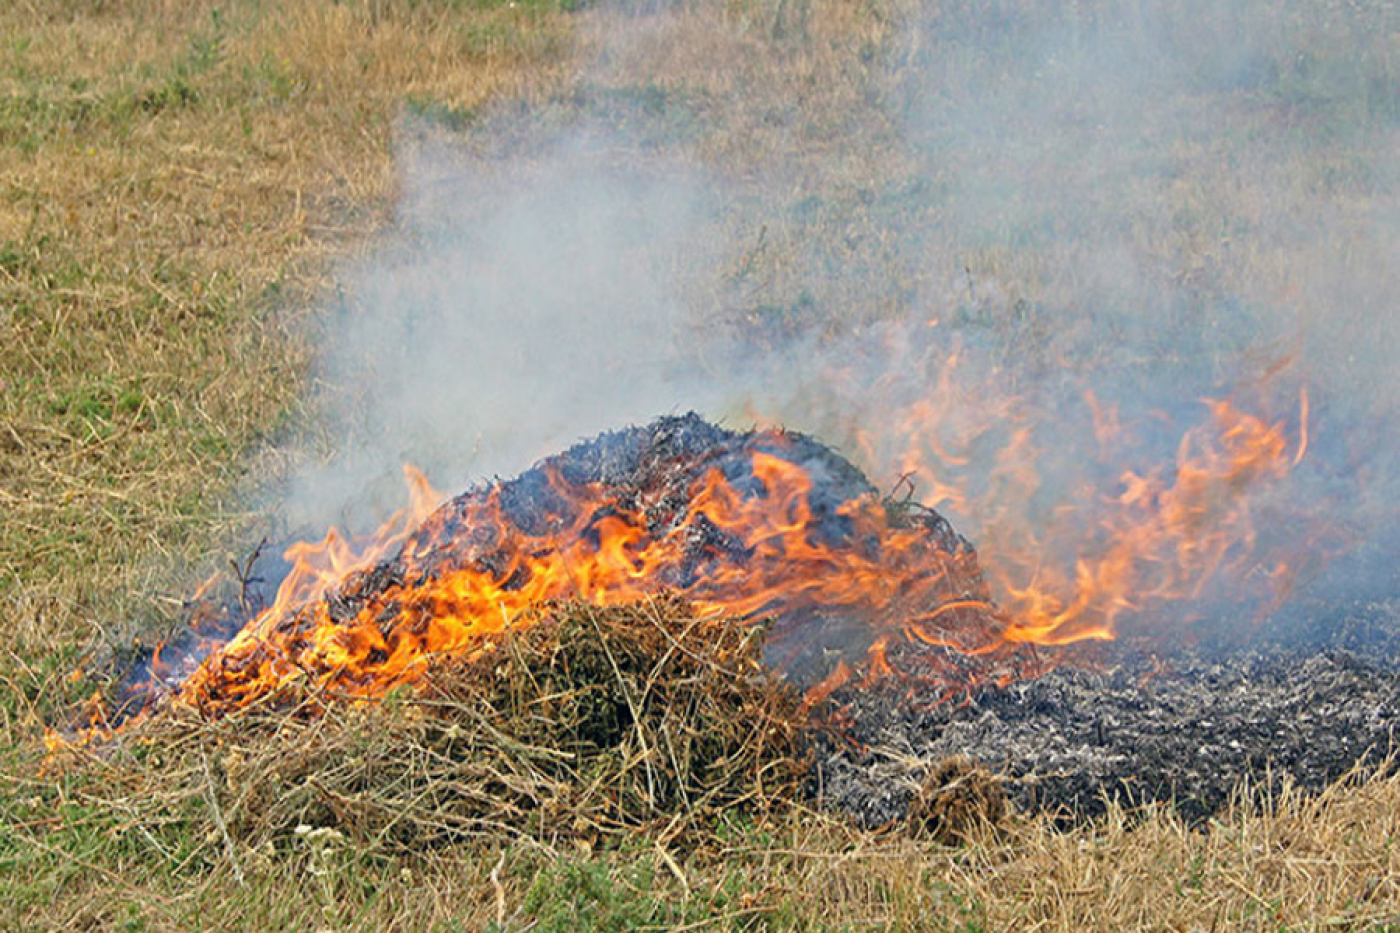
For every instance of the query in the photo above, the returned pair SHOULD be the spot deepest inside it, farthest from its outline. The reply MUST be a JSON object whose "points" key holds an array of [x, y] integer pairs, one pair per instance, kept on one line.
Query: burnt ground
{"points": [[1137, 725]]}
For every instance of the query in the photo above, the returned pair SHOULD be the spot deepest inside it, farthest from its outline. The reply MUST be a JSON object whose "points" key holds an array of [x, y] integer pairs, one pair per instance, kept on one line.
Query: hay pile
{"points": [[764, 525], [580, 724]]}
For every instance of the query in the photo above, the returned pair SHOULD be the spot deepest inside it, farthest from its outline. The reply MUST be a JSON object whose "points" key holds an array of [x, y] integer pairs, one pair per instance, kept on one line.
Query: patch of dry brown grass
{"points": [[580, 724], [1292, 861], [174, 179]]}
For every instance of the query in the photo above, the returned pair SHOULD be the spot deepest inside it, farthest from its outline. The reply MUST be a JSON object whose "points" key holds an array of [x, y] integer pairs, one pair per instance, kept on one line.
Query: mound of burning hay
{"points": [[764, 527], [673, 620], [631, 633]]}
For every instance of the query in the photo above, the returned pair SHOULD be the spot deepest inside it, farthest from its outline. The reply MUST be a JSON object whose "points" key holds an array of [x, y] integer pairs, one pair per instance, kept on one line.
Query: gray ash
{"points": [[1184, 728]]}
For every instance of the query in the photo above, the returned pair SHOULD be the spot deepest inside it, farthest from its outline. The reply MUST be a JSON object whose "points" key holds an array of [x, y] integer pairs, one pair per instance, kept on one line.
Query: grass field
{"points": [[183, 183]]}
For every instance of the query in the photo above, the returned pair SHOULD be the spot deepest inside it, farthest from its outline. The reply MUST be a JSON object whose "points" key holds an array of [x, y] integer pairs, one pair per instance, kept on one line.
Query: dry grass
{"points": [[581, 725], [1290, 862], [175, 178], [635, 768]]}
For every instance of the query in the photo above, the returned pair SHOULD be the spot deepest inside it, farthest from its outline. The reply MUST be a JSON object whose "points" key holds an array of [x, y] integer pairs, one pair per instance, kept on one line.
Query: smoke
{"points": [[977, 232], [521, 305]]}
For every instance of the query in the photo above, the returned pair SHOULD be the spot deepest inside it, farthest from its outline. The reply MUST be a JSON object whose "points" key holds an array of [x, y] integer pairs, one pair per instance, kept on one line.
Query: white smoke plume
{"points": [[776, 216]]}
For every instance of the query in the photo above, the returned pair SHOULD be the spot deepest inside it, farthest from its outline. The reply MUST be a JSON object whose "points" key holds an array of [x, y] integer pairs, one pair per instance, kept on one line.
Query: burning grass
{"points": [[577, 723], [761, 525]]}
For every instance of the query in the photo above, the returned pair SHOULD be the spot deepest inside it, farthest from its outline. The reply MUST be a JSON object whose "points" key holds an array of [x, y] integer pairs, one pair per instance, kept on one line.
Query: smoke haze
{"points": [[938, 230]]}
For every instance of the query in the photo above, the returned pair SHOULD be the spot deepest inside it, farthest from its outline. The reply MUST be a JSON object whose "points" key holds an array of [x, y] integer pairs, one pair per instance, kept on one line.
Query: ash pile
{"points": [[1136, 725]]}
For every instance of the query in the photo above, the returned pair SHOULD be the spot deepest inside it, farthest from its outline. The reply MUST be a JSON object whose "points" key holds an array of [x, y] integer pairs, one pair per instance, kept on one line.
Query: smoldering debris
{"points": [[1187, 729]]}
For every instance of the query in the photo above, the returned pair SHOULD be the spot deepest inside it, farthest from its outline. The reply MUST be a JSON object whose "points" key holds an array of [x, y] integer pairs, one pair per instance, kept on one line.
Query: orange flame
{"points": [[1063, 572], [319, 566], [1070, 570], [363, 640]]}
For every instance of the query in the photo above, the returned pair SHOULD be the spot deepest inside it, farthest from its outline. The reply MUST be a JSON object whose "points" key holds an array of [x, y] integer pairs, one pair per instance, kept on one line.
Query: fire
{"points": [[761, 528], [753, 540], [319, 566], [1068, 564]]}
